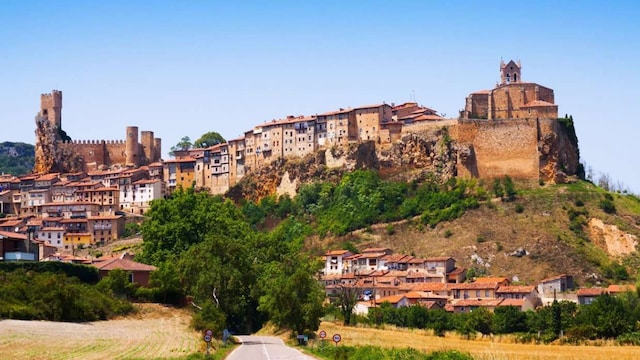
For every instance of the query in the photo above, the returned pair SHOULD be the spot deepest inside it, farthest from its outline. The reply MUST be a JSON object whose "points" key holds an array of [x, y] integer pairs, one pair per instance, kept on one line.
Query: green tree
{"points": [[117, 283], [166, 283], [209, 139], [292, 295], [347, 300], [184, 144], [481, 320], [608, 314], [509, 319], [221, 269]]}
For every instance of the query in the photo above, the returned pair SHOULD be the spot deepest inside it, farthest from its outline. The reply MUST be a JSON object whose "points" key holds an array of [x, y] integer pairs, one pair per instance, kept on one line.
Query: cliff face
{"points": [[559, 152], [522, 149], [49, 157], [414, 157]]}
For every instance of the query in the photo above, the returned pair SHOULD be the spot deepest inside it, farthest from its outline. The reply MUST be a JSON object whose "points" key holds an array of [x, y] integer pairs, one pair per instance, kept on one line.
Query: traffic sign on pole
{"points": [[337, 338], [322, 334]]}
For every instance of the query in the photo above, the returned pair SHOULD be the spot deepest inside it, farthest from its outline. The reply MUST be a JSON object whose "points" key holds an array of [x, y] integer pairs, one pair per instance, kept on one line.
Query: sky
{"points": [[183, 68]]}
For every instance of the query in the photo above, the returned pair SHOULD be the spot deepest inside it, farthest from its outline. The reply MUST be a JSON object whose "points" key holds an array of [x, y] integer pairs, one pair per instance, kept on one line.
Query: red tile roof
{"points": [[124, 264], [620, 288], [515, 289], [477, 302], [13, 235], [492, 280], [591, 291], [336, 252], [512, 302], [393, 299]]}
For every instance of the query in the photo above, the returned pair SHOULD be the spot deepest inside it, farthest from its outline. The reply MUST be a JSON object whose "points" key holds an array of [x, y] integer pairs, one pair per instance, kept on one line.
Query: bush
{"points": [[86, 274], [607, 206], [390, 229], [55, 297], [480, 239], [130, 229], [448, 233], [519, 208], [632, 338]]}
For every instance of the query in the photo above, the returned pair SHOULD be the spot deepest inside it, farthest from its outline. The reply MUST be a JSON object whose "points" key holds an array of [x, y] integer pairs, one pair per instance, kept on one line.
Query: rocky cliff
{"points": [[524, 149], [49, 157]]}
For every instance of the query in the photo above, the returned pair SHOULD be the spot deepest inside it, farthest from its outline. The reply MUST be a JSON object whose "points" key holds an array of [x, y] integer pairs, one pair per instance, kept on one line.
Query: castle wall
{"points": [[501, 147], [116, 153]]}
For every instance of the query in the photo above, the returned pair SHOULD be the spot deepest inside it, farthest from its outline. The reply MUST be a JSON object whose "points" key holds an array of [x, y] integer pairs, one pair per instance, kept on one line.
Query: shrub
{"points": [[579, 203], [607, 206], [448, 233], [480, 239], [632, 338], [390, 229], [519, 208], [84, 273]]}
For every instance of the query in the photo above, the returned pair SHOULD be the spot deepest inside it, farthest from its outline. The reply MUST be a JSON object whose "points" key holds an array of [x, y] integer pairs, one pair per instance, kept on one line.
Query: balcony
{"points": [[19, 256]]}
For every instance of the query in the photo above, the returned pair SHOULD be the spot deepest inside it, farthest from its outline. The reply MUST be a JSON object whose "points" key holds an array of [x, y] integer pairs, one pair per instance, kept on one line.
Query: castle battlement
{"points": [[81, 152], [92, 142]]}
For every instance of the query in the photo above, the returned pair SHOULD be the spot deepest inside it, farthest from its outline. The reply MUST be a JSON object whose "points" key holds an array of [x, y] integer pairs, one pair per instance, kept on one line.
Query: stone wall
{"points": [[96, 152], [498, 148]]}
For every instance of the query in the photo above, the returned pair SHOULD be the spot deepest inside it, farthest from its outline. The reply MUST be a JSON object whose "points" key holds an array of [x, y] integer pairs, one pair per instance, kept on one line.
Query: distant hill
{"points": [[16, 158]]}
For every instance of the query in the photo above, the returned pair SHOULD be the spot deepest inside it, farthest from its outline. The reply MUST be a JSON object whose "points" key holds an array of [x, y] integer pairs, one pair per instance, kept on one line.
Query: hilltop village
{"points": [[82, 192]]}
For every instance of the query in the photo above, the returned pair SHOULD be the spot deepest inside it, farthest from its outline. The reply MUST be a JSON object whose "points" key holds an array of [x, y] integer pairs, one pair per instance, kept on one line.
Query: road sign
{"points": [[207, 338], [208, 332], [337, 338], [322, 334]]}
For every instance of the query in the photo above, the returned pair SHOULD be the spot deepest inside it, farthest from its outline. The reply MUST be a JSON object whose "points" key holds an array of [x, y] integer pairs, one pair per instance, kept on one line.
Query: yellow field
{"points": [[481, 349], [155, 332]]}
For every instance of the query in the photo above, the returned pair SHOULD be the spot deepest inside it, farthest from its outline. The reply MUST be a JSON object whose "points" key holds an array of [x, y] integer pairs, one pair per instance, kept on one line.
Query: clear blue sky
{"points": [[184, 68]]}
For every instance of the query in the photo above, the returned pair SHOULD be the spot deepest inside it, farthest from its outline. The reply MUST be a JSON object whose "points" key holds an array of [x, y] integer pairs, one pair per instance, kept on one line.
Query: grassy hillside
{"points": [[554, 224], [16, 158]]}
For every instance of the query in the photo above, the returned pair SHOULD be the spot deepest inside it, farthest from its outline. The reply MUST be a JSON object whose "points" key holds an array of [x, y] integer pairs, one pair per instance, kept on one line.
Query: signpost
{"points": [[337, 338], [208, 336]]}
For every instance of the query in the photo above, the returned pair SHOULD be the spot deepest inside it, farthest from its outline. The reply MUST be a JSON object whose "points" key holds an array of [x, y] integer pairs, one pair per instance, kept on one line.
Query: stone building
{"points": [[511, 99], [54, 153]]}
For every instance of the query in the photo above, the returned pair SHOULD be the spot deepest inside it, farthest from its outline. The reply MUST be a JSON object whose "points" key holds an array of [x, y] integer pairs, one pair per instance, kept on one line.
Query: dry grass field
{"points": [[153, 332], [481, 349]]}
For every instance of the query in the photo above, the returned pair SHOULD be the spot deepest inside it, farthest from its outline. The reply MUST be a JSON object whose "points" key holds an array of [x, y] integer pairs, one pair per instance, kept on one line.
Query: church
{"points": [[511, 99]]}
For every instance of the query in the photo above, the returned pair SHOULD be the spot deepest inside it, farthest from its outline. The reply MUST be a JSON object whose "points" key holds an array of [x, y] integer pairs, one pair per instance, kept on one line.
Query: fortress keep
{"points": [[55, 154]]}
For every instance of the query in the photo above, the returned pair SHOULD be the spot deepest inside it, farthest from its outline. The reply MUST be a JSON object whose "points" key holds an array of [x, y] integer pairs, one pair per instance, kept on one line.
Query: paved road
{"points": [[265, 348]]}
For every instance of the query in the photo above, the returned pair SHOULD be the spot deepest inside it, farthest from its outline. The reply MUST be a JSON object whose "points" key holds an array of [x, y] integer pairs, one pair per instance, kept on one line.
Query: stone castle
{"points": [[56, 153]]}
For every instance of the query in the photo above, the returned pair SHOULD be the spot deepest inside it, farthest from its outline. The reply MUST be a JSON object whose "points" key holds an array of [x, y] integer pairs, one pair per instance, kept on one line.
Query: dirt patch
{"points": [[154, 332], [615, 241]]}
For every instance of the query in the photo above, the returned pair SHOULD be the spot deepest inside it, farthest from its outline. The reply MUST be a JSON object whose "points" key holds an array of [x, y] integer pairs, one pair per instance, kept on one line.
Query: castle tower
{"points": [[157, 150], [131, 146], [510, 72], [51, 107], [147, 145]]}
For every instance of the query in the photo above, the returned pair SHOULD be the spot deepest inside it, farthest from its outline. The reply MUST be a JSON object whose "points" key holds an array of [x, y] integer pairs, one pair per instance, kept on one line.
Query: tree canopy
{"points": [[209, 139]]}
